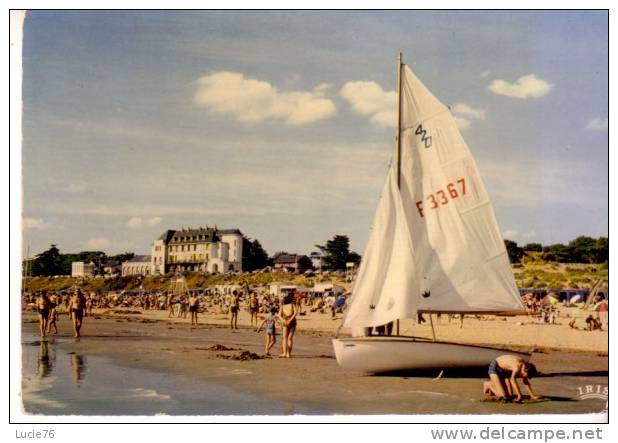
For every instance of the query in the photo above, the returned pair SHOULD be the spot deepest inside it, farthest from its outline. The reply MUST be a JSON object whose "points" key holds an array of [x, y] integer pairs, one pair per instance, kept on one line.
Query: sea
{"points": [[56, 382]]}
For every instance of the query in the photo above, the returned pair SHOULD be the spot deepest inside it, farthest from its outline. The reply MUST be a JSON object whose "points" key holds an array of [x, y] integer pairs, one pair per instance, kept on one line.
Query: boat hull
{"points": [[378, 354]]}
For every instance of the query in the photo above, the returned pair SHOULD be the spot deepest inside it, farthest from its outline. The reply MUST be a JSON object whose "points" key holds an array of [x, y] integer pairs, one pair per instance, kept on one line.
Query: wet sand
{"points": [[312, 380]]}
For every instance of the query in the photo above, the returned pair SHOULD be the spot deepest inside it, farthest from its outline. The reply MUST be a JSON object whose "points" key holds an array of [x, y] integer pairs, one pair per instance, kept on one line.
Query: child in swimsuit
{"points": [[53, 314], [269, 321]]}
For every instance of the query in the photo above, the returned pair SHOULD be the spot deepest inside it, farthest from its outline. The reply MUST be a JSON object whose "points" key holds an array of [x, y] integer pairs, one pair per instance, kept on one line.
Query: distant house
{"points": [[292, 262], [320, 288], [317, 260], [112, 268], [138, 265], [81, 269], [278, 289]]}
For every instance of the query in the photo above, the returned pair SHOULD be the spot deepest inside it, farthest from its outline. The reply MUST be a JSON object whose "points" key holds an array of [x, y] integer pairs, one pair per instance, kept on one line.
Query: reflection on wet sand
{"points": [[78, 367], [44, 361]]}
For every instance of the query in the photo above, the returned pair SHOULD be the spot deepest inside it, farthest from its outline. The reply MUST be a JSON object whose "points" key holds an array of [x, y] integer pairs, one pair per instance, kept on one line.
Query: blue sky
{"points": [[136, 122]]}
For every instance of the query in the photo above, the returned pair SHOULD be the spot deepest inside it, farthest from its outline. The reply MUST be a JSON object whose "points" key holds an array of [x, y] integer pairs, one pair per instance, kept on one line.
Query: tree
{"points": [[47, 263], [253, 255], [533, 247], [336, 253], [515, 252], [125, 256], [602, 250]]}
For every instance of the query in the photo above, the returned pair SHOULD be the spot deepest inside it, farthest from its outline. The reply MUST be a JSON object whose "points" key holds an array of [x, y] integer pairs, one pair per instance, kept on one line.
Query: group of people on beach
{"points": [[47, 306], [286, 318]]}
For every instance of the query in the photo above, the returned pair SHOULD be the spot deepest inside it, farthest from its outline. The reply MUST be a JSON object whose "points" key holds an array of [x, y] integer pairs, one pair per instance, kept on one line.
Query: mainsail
{"points": [[435, 244]]}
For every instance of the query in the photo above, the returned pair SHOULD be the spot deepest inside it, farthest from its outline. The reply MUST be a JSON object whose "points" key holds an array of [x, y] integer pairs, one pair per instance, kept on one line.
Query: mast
{"points": [[398, 136], [398, 133]]}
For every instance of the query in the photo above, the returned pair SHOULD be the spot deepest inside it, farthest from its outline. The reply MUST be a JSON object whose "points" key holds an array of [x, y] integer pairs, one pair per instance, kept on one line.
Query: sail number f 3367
{"points": [[442, 196]]}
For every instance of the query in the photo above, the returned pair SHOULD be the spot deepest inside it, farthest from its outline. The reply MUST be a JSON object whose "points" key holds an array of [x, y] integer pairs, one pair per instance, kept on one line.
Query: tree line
{"points": [[583, 249], [335, 254], [52, 262]]}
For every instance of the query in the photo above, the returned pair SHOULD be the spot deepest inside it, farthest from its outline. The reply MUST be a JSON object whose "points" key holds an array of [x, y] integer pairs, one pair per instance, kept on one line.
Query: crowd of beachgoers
{"points": [[208, 301]]}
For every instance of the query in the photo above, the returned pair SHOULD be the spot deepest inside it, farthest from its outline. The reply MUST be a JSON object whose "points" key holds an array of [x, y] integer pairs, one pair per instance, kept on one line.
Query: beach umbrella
{"points": [[601, 306], [550, 299]]}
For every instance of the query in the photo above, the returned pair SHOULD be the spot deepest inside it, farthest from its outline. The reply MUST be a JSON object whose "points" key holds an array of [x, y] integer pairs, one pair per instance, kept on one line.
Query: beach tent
{"points": [[577, 298]]}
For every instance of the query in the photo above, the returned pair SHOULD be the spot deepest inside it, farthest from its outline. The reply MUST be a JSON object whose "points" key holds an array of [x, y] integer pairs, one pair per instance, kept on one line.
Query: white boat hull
{"points": [[377, 354]]}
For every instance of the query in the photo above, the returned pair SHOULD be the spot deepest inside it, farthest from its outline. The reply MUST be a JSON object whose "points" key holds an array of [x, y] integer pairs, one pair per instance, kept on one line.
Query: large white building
{"points": [[203, 249], [138, 265], [81, 269]]}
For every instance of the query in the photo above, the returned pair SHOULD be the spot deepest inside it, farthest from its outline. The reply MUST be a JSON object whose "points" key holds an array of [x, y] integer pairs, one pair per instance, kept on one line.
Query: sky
{"points": [[281, 124]]}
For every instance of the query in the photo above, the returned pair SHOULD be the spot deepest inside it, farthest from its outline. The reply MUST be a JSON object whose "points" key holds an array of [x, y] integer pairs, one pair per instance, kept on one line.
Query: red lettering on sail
{"points": [[443, 197]]}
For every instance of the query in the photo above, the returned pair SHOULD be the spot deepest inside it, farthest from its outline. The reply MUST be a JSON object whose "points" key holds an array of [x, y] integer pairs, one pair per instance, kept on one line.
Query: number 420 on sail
{"points": [[441, 197]]}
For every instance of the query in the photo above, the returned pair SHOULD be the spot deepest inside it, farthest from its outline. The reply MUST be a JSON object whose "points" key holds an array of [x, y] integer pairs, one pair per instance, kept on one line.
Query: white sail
{"points": [[435, 244], [460, 259], [385, 284]]}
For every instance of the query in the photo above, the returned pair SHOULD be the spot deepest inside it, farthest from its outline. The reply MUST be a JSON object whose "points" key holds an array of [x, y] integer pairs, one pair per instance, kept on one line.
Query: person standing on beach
{"points": [[77, 303], [271, 335], [170, 305], [254, 307], [53, 314], [234, 307], [194, 304], [288, 314], [42, 308]]}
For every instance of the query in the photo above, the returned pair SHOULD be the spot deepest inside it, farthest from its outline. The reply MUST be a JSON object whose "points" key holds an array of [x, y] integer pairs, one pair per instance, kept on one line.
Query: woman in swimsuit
{"points": [[76, 310], [288, 313], [42, 307]]}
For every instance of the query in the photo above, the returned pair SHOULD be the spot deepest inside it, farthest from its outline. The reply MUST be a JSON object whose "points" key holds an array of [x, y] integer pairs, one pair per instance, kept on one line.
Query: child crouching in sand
{"points": [[269, 321]]}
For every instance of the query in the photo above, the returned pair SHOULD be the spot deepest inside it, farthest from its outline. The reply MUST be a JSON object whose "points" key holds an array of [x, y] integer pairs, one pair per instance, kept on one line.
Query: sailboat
{"points": [[435, 247]]}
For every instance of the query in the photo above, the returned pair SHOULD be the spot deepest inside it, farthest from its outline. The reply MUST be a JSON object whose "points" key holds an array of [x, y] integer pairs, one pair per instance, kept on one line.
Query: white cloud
{"points": [[77, 188], [598, 124], [525, 87], [468, 111], [510, 233], [462, 123], [322, 88], [463, 113], [485, 74], [251, 101], [140, 223], [368, 98], [35, 223]]}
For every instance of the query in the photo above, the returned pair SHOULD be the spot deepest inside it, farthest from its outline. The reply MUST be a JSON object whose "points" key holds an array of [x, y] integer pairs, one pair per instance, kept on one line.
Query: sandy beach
{"points": [[312, 381]]}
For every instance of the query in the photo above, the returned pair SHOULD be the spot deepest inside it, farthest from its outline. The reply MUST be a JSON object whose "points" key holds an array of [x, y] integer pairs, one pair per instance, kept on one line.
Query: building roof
{"points": [[229, 231], [288, 259], [111, 263], [167, 235], [208, 235], [191, 235], [140, 258]]}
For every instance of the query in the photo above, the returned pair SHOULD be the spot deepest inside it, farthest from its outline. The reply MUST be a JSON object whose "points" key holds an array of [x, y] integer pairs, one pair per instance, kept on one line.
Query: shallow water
{"points": [[58, 382]]}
